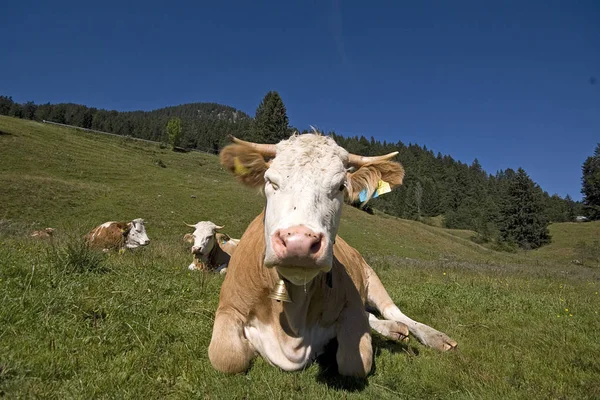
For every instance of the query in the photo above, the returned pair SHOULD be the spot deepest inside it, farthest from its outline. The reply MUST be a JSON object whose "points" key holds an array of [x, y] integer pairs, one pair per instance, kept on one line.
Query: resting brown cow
{"points": [[118, 235], [46, 233], [293, 245]]}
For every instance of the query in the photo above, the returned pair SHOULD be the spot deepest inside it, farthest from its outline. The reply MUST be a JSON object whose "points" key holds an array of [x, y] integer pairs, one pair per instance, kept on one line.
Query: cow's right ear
{"points": [[125, 228], [247, 164], [188, 237]]}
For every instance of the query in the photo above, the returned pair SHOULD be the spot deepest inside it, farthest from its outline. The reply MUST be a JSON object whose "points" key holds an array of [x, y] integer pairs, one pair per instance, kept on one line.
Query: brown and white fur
{"points": [[118, 235], [46, 233], [295, 239]]}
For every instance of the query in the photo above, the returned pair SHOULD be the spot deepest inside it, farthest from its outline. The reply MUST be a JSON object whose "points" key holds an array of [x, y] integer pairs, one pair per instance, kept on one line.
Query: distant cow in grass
{"points": [[46, 233], [211, 249], [118, 235]]}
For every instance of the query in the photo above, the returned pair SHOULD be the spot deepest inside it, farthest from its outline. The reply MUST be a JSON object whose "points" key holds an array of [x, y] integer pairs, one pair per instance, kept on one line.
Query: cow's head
{"points": [[305, 180], [203, 237], [137, 234]]}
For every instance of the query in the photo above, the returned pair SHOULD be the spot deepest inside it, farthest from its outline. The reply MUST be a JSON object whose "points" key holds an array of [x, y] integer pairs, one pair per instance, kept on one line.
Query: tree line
{"points": [[507, 206]]}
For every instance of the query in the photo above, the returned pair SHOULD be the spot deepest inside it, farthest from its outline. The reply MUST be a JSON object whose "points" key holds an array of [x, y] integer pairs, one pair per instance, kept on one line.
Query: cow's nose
{"points": [[196, 250], [298, 241], [146, 242]]}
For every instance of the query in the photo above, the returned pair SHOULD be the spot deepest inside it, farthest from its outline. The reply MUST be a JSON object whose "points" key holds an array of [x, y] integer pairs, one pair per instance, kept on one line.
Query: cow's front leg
{"points": [[355, 351], [229, 351]]}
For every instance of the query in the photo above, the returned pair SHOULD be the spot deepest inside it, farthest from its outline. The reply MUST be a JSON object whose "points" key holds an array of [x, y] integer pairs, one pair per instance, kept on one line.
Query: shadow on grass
{"points": [[328, 370], [380, 342], [329, 375]]}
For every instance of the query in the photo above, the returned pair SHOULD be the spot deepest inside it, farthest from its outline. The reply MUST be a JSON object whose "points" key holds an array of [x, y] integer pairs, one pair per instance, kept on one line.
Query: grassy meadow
{"points": [[80, 324]]}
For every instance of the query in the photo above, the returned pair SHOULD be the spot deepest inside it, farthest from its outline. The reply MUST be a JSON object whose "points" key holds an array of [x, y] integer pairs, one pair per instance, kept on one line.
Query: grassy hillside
{"points": [[80, 324]]}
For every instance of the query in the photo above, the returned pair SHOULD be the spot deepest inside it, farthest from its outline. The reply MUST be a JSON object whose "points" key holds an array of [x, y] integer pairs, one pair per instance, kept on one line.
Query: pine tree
{"points": [[29, 110], [6, 103], [591, 185], [522, 221], [271, 121]]}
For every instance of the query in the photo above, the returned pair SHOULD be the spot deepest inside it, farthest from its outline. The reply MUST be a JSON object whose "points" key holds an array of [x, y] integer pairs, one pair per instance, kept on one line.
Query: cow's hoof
{"points": [[397, 331], [223, 271], [436, 339], [394, 330]]}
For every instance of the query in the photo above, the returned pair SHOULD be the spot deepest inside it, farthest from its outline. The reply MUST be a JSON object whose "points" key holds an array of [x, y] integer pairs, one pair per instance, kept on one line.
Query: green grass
{"points": [[80, 324]]}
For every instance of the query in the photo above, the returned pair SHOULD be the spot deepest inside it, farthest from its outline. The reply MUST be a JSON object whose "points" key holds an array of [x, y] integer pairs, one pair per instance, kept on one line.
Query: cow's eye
{"points": [[273, 185], [342, 187]]}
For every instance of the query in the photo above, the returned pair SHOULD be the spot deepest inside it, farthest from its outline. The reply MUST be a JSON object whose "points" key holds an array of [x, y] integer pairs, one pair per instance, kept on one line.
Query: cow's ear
{"points": [[125, 228], [247, 164], [222, 238], [371, 176], [188, 237]]}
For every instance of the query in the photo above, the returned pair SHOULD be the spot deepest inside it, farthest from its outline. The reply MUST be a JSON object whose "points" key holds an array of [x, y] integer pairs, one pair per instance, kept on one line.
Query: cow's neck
{"points": [[302, 306], [212, 255]]}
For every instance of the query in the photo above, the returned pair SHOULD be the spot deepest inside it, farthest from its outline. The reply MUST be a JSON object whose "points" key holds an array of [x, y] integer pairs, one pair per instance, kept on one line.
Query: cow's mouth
{"points": [[299, 275]]}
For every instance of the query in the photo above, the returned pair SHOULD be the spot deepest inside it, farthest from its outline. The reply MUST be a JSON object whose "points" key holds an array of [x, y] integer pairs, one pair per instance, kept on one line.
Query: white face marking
{"points": [[304, 187], [137, 235], [204, 237]]}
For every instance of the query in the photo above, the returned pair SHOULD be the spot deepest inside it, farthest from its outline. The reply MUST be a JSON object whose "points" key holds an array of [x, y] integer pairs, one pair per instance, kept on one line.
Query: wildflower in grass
{"points": [[570, 315], [566, 310], [444, 274]]}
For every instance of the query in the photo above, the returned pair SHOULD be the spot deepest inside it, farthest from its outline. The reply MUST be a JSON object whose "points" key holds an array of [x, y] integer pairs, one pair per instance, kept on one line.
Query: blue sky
{"points": [[510, 83]]}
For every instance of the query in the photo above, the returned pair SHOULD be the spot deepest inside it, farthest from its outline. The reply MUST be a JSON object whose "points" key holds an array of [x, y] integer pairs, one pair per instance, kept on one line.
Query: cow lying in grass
{"points": [[294, 242], [46, 233], [118, 235], [211, 249]]}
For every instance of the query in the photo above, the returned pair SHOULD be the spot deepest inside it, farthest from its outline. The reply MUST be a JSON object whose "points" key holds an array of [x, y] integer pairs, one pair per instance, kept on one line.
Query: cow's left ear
{"points": [[247, 164], [368, 178]]}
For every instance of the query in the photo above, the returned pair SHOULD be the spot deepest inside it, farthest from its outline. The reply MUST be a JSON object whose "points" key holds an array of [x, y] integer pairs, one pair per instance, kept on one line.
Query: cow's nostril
{"points": [[315, 247]]}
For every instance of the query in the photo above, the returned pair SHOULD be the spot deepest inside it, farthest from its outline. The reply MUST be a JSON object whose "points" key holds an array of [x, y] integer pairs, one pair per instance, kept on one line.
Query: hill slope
{"points": [[75, 324], [98, 178], [52, 176]]}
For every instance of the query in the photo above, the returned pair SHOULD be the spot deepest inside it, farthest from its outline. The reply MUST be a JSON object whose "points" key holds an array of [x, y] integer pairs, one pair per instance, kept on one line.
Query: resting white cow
{"points": [[211, 249], [46, 233], [118, 235], [295, 239]]}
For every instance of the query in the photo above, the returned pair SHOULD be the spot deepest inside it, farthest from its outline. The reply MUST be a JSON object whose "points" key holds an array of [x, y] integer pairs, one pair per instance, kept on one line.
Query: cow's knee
{"points": [[229, 351]]}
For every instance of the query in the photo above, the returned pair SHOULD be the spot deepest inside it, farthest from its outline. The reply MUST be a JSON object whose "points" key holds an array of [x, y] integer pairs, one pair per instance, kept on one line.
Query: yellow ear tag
{"points": [[238, 168], [383, 187]]}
